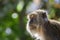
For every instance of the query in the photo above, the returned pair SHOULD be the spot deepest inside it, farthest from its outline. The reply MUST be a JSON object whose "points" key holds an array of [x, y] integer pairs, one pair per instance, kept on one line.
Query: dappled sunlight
{"points": [[13, 16]]}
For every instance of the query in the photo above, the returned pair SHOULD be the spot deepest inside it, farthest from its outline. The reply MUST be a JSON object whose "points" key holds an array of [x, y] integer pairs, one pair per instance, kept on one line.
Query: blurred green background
{"points": [[13, 16]]}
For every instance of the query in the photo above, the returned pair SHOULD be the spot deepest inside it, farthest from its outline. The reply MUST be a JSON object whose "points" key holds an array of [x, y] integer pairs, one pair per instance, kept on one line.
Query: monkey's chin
{"points": [[38, 37]]}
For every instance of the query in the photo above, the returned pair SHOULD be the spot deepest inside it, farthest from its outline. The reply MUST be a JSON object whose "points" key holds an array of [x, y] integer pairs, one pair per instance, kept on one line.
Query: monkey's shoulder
{"points": [[55, 24]]}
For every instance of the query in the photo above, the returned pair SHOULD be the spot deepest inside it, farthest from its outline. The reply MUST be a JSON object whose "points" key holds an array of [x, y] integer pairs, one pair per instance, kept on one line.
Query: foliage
{"points": [[13, 19]]}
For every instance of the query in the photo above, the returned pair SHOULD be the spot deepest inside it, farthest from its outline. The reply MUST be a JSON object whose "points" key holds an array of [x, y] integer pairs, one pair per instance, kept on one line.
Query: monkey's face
{"points": [[36, 21], [33, 22]]}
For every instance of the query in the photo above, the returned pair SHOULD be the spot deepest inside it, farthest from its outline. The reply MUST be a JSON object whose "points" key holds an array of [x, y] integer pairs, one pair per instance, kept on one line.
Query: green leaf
{"points": [[52, 13], [20, 6]]}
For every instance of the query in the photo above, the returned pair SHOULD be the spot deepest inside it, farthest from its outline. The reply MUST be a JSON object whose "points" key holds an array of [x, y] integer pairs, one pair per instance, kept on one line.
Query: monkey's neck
{"points": [[46, 29], [51, 31]]}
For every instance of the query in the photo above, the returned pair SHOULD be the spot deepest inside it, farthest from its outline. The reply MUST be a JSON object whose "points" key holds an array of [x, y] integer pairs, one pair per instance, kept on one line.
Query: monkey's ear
{"points": [[44, 15], [30, 16]]}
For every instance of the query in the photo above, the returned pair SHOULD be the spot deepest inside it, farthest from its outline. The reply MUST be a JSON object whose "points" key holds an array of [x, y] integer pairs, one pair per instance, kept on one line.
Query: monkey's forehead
{"points": [[38, 11]]}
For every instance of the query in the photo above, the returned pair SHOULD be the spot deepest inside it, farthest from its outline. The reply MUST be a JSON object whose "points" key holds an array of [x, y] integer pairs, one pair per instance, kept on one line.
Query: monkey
{"points": [[40, 27]]}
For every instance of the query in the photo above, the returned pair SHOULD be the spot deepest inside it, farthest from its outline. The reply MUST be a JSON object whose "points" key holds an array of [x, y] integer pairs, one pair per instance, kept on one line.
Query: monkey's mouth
{"points": [[38, 37], [33, 26]]}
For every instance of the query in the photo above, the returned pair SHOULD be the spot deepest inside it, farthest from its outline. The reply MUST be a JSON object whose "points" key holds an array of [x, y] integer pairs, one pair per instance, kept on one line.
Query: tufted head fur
{"points": [[39, 26]]}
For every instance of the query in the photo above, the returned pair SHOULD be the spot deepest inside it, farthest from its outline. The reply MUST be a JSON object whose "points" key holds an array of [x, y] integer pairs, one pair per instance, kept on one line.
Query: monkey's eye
{"points": [[33, 20]]}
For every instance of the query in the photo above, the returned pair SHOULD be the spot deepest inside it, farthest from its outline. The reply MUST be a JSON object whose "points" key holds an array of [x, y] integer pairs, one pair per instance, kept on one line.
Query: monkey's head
{"points": [[36, 21]]}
